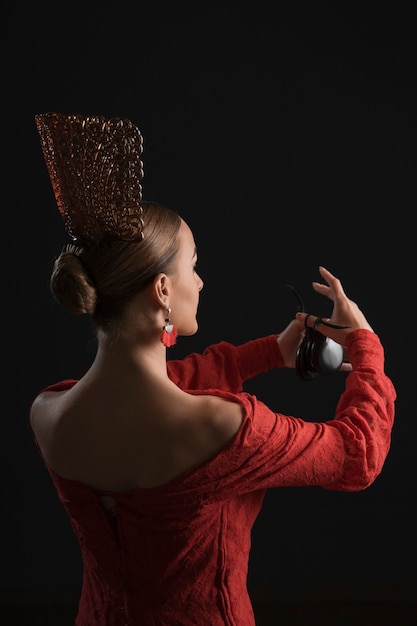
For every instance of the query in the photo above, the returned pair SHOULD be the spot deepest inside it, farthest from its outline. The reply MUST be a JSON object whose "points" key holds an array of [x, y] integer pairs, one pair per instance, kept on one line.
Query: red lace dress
{"points": [[177, 555]]}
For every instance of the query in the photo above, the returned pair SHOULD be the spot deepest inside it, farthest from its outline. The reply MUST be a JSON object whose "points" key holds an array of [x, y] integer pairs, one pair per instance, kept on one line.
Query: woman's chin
{"points": [[188, 332]]}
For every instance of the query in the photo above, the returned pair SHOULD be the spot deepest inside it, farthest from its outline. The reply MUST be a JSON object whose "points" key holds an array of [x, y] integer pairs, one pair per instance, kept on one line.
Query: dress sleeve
{"points": [[226, 366], [345, 453], [365, 412]]}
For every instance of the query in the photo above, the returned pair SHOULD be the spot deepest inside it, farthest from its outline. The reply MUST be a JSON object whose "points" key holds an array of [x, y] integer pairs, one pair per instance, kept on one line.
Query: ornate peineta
{"points": [[96, 170]]}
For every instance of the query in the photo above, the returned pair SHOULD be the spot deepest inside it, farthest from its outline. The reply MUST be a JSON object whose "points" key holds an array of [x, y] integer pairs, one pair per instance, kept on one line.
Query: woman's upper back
{"points": [[110, 439]]}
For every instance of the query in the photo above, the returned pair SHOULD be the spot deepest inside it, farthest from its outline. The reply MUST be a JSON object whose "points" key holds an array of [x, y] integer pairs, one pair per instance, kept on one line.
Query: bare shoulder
{"points": [[223, 416], [44, 406]]}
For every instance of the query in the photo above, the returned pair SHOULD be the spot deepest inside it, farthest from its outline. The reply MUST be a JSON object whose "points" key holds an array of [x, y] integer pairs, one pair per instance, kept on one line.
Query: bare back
{"points": [[117, 442]]}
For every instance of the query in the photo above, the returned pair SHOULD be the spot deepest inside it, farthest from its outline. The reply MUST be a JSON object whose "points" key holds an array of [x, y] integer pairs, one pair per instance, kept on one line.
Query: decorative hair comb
{"points": [[95, 170]]}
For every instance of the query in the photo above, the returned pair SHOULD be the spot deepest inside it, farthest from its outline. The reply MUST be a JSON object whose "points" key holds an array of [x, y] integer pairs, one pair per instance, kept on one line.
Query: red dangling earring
{"points": [[169, 332]]}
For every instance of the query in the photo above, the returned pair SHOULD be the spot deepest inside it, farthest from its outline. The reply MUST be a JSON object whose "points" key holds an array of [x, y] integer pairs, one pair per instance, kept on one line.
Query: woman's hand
{"points": [[346, 316], [289, 341]]}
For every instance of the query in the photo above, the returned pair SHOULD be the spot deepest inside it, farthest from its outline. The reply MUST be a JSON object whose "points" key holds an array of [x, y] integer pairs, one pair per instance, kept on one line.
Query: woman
{"points": [[163, 465]]}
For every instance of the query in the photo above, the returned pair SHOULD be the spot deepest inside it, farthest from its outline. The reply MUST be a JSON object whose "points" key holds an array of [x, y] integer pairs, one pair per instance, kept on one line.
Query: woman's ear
{"points": [[161, 289]]}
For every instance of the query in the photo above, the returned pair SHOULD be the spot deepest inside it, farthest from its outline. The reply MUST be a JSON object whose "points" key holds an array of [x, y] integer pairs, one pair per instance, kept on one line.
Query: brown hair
{"points": [[101, 278]]}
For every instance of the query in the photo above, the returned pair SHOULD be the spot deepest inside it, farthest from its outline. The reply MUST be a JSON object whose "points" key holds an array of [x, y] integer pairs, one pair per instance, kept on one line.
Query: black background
{"points": [[287, 139]]}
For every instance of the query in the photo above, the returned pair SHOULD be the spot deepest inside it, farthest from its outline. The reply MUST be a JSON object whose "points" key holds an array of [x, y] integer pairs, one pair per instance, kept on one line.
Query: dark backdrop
{"points": [[287, 140]]}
